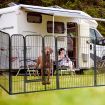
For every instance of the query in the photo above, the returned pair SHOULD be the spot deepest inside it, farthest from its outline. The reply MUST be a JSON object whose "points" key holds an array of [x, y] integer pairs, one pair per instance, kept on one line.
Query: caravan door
{"points": [[72, 41]]}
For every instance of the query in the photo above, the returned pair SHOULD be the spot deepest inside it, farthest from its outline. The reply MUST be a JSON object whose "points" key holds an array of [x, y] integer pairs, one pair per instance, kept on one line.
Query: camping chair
{"points": [[64, 68], [21, 67], [31, 70], [100, 65], [100, 62]]}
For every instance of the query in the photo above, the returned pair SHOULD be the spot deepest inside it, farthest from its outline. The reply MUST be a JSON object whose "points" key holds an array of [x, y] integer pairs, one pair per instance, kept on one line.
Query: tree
{"points": [[95, 8]]}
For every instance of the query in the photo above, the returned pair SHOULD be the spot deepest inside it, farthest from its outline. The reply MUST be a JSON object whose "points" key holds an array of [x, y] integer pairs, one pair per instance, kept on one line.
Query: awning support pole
{"points": [[53, 24], [53, 35]]}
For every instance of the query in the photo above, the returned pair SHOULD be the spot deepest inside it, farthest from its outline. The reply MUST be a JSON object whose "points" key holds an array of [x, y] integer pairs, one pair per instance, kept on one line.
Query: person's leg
{"points": [[70, 63]]}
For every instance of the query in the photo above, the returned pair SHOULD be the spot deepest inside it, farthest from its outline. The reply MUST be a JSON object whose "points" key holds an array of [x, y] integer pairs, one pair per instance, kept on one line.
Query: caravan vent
{"points": [[85, 57]]}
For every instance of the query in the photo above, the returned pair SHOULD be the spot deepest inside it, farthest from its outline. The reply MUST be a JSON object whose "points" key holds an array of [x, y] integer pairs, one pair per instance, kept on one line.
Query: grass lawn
{"points": [[74, 96], [78, 96], [65, 81]]}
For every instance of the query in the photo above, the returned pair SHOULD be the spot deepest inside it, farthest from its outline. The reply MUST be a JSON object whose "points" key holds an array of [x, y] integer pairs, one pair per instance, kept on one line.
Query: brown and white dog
{"points": [[45, 65]]}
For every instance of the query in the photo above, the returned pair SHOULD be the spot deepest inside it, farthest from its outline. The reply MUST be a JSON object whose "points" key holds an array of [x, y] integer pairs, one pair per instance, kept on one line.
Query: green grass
{"points": [[80, 96], [74, 96], [65, 81]]}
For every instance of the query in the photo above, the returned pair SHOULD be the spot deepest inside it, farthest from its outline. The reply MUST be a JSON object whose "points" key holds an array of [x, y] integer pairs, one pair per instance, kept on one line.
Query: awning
{"points": [[56, 11], [61, 12]]}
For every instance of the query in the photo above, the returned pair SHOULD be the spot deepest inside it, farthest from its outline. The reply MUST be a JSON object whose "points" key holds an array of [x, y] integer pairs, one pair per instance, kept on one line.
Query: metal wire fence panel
{"points": [[43, 59], [17, 47], [4, 60], [100, 61], [35, 63], [50, 71], [38, 75], [17, 63], [72, 61]]}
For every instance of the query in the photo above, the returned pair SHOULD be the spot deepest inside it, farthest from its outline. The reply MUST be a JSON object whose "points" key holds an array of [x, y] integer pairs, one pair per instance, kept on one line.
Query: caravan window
{"points": [[71, 28], [58, 27], [94, 34], [33, 17], [98, 35]]}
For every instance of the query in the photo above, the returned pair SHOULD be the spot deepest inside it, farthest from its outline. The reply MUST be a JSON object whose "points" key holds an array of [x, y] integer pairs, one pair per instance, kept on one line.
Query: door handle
{"points": [[90, 47]]}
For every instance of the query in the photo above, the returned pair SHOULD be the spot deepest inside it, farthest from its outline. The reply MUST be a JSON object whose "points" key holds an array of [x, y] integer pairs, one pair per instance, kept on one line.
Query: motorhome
{"points": [[56, 22]]}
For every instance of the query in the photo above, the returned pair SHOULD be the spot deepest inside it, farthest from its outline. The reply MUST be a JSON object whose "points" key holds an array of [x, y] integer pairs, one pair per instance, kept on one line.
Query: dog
{"points": [[45, 65]]}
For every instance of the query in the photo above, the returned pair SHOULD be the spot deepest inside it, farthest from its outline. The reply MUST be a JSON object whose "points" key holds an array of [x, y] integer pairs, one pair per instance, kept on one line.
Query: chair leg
{"points": [[74, 72], [18, 72], [61, 72], [29, 72], [33, 72], [37, 73]]}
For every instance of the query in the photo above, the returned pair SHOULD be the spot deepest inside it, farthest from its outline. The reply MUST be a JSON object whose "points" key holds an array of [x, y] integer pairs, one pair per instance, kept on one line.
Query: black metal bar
{"points": [[43, 59], [56, 63], [34, 80], [5, 90], [95, 69], [24, 52], [54, 89], [10, 67]]}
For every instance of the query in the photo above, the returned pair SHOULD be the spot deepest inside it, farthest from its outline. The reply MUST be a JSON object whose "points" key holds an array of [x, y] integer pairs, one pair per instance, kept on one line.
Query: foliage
{"points": [[95, 8]]}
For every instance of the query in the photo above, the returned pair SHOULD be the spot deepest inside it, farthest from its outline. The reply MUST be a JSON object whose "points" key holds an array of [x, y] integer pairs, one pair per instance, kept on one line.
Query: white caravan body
{"points": [[13, 20]]}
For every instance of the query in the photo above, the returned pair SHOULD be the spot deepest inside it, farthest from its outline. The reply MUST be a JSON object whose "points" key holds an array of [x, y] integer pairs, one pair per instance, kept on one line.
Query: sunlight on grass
{"points": [[65, 81], [80, 96]]}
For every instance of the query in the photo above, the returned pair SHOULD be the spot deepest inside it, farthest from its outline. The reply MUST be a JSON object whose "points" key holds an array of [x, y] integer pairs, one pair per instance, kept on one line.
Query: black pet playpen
{"points": [[19, 54]]}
